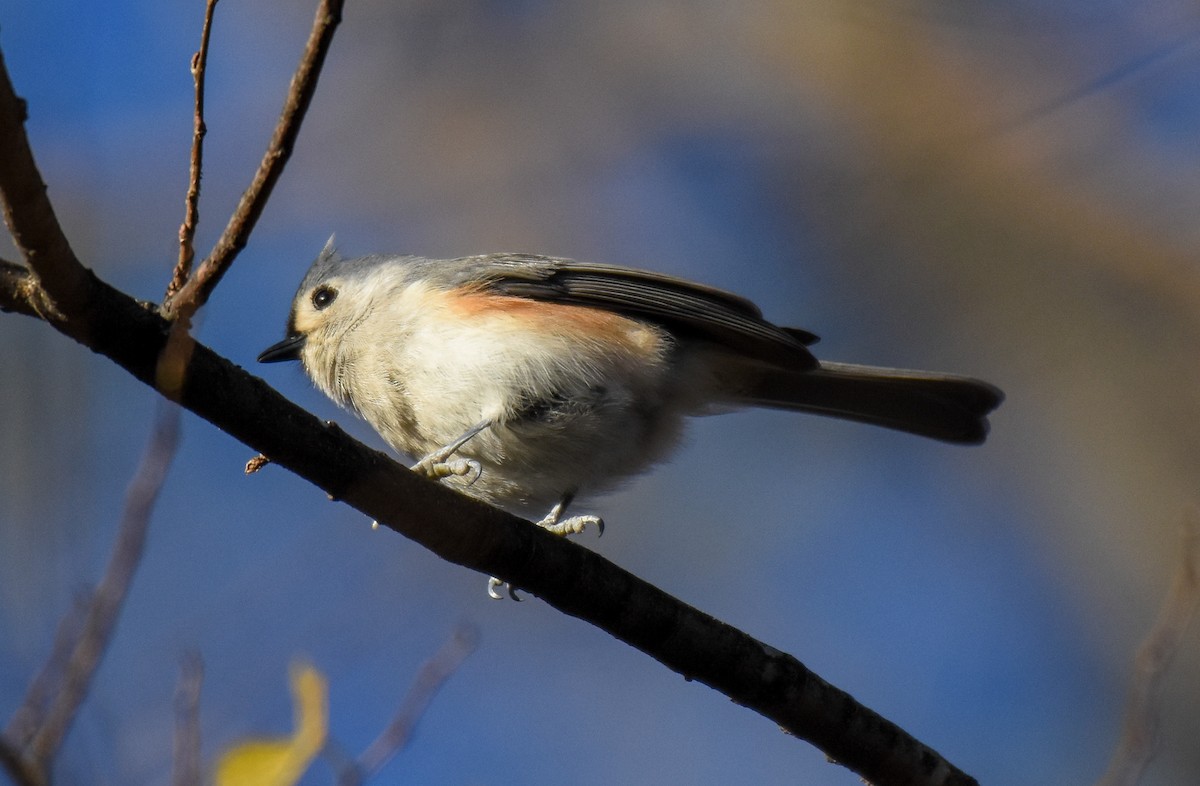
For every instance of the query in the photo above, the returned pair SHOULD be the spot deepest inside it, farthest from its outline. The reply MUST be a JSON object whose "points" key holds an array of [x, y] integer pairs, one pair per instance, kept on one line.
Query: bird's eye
{"points": [[322, 297]]}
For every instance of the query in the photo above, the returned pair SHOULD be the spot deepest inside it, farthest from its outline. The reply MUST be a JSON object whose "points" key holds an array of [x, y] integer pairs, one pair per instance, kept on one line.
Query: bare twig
{"points": [[21, 770], [1139, 731], [187, 766], [304, 83], [28, 718], [110, 593], [187, 231], [395, 736]]}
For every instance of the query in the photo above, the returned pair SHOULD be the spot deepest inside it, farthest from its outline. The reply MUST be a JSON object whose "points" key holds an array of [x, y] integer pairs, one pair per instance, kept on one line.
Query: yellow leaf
{"points": [[281, 762]]}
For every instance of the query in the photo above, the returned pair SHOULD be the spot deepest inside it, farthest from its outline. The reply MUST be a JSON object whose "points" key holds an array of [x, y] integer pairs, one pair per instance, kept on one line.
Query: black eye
{"points": [[322, 297]]}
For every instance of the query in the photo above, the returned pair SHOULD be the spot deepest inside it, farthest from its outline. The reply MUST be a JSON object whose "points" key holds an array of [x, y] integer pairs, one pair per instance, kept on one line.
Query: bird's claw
{"points": [[495, 583], [572, 526], [460, 468]]}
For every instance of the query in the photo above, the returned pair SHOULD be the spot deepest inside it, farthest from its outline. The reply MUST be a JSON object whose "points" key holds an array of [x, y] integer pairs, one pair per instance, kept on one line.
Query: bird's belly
{"points": [[567, 413], [529, 466]]}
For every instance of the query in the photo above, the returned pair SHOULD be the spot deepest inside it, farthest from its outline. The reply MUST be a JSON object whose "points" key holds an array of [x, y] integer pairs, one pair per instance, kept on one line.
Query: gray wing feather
{"points": [[684, 307]]}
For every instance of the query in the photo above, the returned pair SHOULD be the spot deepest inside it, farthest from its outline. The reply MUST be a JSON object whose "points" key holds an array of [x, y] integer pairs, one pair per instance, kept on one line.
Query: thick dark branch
{"points": [[568, 577], [28, 212], [304, 83], [19, 290]]}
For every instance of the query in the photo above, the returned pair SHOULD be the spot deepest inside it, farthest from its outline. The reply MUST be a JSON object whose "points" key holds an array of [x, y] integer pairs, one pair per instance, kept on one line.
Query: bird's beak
{"points": [[288, 349]]}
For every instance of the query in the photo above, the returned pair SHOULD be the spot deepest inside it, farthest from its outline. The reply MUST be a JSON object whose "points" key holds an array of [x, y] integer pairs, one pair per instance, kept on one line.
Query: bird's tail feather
{"points": [[940, 406]]}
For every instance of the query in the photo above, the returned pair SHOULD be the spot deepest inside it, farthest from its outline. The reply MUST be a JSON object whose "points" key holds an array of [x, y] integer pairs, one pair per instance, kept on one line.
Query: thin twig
{"points": [[191, 212], [22, 771], [395, 736], [1139, 732], [187, 766], [110, 593], [28, 718], [197, 290]]}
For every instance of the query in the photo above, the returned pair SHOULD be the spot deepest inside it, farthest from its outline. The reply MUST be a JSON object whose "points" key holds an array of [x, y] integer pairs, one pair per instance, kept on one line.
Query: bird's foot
{"points": [[572, 526], [552, 524], [436, 469]]}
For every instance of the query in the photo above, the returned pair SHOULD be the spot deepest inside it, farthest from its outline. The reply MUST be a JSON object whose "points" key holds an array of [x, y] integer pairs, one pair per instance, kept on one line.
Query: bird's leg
{"points": [[555, 524], [436, 466]]}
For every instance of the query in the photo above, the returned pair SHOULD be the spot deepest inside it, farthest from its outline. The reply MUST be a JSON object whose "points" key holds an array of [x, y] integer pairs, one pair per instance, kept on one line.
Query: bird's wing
{"points": [[683, 307]]}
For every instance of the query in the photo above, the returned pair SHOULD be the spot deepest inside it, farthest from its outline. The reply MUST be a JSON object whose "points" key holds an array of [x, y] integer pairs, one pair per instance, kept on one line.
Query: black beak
{"points": [[288, 349]]}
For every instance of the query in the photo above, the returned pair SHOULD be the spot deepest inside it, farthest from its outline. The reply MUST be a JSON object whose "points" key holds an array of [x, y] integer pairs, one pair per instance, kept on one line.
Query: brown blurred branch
{"points": [[395, 736], [187, 767], [187, 231], [1139, 731], [38, 727], [28, 718], [19, 769], [197, 290], [105, 605]]}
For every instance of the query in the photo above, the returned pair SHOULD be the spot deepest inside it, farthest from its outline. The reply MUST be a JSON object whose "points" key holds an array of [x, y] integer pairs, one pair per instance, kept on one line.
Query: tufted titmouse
{"points": [[525, 380]]}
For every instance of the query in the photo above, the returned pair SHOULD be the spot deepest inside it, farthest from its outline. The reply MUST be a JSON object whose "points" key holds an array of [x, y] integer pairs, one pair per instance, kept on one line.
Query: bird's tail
{"points": [[941, 406]]}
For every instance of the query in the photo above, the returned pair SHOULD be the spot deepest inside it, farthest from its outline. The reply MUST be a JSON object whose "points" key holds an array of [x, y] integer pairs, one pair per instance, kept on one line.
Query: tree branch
{"points": [[191, 212], [433, 673], [187, 766], [19, 290], [304, 83], [29, 215], [18, 768], [105, 605], [28, 718], [1139, 732]]}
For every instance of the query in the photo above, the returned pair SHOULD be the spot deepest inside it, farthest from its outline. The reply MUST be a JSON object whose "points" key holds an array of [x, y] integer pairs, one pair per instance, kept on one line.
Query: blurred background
{"points": [[1007, 190]]}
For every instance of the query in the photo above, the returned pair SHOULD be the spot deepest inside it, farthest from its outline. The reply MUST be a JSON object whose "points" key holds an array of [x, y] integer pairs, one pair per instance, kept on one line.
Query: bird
{"points": [[526, 381]]}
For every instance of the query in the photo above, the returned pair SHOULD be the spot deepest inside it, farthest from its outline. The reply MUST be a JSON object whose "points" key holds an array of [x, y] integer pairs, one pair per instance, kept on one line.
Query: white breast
{"points": [[580, 398]]}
